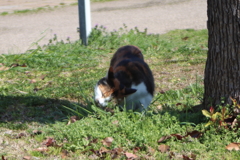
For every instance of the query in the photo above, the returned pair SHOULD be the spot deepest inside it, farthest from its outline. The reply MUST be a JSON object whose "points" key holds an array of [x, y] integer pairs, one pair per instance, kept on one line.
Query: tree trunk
{"points": [[222, 72]]}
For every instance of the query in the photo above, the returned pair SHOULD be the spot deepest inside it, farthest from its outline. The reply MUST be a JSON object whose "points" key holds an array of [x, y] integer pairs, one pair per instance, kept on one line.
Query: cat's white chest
{"points": [[141, 99]]}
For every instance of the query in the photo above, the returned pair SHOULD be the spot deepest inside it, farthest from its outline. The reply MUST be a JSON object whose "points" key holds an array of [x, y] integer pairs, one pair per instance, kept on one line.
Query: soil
{"points": [[20, 32]]}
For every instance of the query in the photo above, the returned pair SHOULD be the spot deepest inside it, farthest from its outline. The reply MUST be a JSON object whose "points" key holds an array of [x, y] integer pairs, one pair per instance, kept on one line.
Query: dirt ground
{"points": [[19, 32]]}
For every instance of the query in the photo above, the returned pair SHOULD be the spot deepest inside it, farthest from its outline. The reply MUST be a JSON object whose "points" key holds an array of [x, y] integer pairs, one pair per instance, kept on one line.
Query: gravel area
{"points": [[20, 32]]}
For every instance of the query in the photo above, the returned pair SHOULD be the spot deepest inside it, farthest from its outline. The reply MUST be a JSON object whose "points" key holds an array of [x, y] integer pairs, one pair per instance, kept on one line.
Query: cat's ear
{"points": [[129, 91]]}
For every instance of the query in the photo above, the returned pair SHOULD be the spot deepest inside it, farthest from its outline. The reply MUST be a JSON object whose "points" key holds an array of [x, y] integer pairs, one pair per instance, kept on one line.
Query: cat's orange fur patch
{"points": [[106, 91]]}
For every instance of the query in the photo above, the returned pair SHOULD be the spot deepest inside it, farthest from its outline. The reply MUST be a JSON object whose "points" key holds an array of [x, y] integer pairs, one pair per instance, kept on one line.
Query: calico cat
{"points": [[129, 81]]}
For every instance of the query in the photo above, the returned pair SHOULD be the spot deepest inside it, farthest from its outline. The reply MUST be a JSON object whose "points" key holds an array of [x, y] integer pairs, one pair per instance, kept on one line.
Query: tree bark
{"points": [[222, 72]]}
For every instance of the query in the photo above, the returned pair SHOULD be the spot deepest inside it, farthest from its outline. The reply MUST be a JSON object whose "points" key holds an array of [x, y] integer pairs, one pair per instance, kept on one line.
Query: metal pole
{"points": [[84, 20]]}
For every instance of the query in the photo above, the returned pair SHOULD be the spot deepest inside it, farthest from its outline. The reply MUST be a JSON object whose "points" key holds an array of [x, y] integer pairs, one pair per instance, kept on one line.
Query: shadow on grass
{"points": [[32, 109], [185, 115], [27, 109]]}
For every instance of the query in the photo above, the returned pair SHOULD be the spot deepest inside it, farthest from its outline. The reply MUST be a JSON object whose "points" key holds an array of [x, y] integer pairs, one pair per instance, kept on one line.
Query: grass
{"points": [[42, 89]]}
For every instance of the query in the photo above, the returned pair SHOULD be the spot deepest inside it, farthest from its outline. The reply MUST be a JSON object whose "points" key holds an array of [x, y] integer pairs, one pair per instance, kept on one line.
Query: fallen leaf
{"points": [[232, 146], [162, 92], [107, 141], [3, 68], [163, 138], [136, 149], [64, 154], [73, 119], [185, 38], [18, 65], [171, 155], [191, 157], [27, 72], [3, 158], [151, 150], [20, 135], [109, 110], [159, 107], [41, 149], [93, 156], [93, 141], [49, 142], [103, 150], [163, 148], [33, 81], [186, 157], [36, 132], [236, 110], [117, 151], [115, 122], [19, 91], [27, 157], [14, 65], [194, 134], [235, 123], [130, 155], [42, 77], [178, 136]]}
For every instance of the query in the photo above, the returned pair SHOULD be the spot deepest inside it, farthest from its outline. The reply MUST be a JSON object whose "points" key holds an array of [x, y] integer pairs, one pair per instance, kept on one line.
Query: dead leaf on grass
{"points": [[18, 65], [136, 149], [36, 132], [3, 158], [64, 154], [115, 122], [194, 134], [235, 123], [49, 142], [93, 156], [41, 149], [163, 138], [185, 38], [163, 148], [42, 87], [150, 150], [233, 146], [117, 151], [130, 155], [19, 91], [27, 157], [109, 110], [103, 150], [178, 104], [3, 68], [178, 136], [20, 135], [191, 157], [73, 119], [33, 81], [171, 155], [42, 77], [107, 141]]}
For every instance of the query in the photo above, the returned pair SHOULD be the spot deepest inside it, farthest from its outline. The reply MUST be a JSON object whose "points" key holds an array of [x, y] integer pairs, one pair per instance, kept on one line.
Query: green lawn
{"points": [[42, 89]]}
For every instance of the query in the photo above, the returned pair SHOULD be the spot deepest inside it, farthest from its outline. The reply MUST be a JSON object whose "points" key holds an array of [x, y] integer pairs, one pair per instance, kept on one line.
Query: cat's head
{"points": [[109, 88]]}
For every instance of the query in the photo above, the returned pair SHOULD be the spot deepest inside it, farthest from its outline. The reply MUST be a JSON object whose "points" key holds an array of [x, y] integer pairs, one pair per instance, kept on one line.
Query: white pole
{"points": [[84, 20]]}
